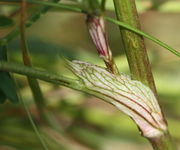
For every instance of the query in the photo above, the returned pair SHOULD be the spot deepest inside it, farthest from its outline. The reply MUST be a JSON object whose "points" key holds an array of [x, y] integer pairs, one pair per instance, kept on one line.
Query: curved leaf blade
{"points": [[7, 84], [5, 22]]}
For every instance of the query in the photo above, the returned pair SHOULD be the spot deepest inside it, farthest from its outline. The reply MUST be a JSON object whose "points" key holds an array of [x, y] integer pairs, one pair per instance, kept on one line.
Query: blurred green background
{"points": [[85, 122]]}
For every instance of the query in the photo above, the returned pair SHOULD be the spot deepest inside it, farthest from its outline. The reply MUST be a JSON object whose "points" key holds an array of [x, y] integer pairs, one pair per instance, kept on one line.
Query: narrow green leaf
{"points": [[2, 97], [155, 40], [5, 22], [7, 85]]}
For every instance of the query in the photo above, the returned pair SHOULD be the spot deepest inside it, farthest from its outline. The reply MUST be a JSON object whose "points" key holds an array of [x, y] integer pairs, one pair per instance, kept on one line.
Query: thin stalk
{"points": [[139, 32], [49, 77], [42, 75], [103, 5], [138, 59], [44, 145], [93, 7], [33, 83]]}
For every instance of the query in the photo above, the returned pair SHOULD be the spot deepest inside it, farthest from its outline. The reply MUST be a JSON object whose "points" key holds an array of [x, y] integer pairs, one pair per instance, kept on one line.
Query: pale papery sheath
{"points": [[130, 96], [96, 28]]}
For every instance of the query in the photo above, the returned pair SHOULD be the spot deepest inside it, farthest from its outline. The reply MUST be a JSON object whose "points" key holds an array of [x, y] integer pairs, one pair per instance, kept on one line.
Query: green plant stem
{"points": [[33, 83], [33, 124], [103, 5], [163, 143], [92, 7], [134, 44], [42, 75], [49, 77], [138, 59]]}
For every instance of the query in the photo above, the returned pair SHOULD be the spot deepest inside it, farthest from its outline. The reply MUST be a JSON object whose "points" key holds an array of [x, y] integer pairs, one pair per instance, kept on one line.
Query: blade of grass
{"points": [[150, 37], [44, 145]]}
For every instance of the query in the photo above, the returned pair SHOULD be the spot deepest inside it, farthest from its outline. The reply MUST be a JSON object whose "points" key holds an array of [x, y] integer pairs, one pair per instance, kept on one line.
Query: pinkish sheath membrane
{"points": [[96, 29]]}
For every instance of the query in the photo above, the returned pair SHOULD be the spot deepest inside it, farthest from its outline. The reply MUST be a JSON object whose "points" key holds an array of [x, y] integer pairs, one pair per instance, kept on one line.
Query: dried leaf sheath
{"points": [[97, 32], [130, 96], [96, 28]]}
